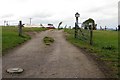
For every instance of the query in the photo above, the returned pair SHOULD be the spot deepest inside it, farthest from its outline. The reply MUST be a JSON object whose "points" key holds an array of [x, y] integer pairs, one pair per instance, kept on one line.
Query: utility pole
{"points": [[4, 23], [105, 28], [30, 20]]}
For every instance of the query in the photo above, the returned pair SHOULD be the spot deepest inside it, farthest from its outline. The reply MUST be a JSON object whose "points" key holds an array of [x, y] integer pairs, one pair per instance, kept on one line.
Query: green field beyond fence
{"points": [[11, 39], [84, 35], [105, 45]]}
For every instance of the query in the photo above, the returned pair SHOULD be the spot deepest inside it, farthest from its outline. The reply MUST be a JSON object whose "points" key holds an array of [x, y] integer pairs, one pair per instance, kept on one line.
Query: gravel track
{"points": [[59, 60]]}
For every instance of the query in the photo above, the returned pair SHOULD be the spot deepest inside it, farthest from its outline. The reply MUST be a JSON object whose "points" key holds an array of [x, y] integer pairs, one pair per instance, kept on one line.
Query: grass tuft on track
{"points": [[48, 40]]}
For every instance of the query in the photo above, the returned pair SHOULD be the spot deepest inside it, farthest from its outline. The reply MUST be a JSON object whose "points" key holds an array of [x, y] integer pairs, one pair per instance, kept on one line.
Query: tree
{"points": [[105, 28], [86, 24], [41, 25], [118, 27], [59, 25]]}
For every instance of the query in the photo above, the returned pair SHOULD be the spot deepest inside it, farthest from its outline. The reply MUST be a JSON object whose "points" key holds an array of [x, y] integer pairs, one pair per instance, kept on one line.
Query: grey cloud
{"points": [[119, 13], [110, 23], [45, 21], [103, 8], [97, 9], [7, 16], [37, 18], [41, 15], [20, 1]]}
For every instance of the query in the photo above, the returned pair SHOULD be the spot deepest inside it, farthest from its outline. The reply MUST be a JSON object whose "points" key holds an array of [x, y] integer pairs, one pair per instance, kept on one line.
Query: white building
{"points": [[33, 25]]}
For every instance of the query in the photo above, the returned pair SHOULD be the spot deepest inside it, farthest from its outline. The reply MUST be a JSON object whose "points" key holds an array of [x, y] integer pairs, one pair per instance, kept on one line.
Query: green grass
{"points": [[25, 29], [10, 38], [105, 45], [48, 40]]}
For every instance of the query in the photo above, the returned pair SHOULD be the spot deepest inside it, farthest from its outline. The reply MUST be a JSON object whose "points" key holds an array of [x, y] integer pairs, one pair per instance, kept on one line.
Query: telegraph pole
{"points": [[7, 23], [4, 23], [30, 20]]}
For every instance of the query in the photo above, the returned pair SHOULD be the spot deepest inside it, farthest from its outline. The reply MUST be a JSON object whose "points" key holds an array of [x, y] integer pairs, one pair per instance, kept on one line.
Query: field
{"points": [[105, 46], [11, 39]]}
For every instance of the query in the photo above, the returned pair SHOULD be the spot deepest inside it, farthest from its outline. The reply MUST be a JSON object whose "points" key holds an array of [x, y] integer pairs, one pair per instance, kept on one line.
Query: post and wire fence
{"points": [[82, 33]]}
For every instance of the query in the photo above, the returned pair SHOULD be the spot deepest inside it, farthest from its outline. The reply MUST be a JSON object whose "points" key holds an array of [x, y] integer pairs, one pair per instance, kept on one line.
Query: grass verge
{"points": [[10, 38], [105, 47]]}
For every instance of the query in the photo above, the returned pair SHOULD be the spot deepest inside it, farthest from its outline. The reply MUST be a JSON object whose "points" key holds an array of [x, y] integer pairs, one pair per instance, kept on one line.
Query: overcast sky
{"points": [[104, 12]]}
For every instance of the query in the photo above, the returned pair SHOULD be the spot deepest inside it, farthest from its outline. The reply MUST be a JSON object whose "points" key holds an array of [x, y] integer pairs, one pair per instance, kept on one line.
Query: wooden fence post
{"points": [[91, 35], [76, 30], [20, 28]]}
